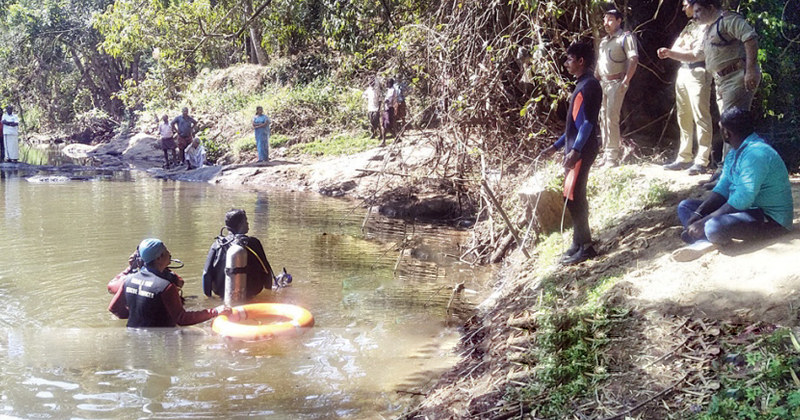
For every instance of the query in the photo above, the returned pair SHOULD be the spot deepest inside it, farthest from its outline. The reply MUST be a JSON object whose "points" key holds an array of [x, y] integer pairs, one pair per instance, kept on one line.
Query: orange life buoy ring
{"points": [[231, 326]]}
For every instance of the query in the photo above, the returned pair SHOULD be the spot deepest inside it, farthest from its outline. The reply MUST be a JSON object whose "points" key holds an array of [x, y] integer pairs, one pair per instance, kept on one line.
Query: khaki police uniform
{"points": [[723, 46], [692, 98], [615, 53]]}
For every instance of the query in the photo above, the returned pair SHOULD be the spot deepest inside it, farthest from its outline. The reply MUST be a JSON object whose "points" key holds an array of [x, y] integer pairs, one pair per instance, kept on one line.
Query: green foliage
{"points": [[327, 116], [340, 144], [214, 149], [278, 140], [244, 145], [621, 190], [569, 353], [49, 60], [765, 388], [777, 23]]}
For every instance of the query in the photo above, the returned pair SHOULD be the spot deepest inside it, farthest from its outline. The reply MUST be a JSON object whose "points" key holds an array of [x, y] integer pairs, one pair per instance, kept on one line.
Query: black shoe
{"points": [[583, 254], [697, 170], [570, 252], [677, 166]]}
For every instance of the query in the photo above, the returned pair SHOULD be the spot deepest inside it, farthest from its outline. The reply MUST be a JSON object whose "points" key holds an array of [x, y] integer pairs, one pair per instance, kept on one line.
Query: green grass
{"points": [[573, 318], [766, 387], [614, 193], [244, 144], [568, 358], [278, 140], [341, 144], [323, 110]]}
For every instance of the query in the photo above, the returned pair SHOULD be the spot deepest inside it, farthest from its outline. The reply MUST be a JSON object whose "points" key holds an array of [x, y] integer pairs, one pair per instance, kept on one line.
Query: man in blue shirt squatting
{"points": [[753, 199], [581, 147]]}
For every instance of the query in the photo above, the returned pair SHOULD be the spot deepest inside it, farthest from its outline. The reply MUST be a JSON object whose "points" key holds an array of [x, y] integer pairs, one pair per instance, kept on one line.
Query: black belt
{"points": [[695, 65]]}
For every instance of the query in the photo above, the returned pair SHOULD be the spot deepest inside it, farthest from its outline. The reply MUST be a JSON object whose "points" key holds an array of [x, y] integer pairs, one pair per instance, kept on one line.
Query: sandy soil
{"points": [[741, 282]]}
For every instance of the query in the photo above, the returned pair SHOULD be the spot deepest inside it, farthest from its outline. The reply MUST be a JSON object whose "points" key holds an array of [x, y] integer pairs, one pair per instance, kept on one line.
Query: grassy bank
{"points": [[559, 342], [320, 117]]}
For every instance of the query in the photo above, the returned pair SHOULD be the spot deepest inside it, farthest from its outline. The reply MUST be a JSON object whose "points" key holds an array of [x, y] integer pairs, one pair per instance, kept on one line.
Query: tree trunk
{"points": [[135, 69], [255, 37], [260, 54]]}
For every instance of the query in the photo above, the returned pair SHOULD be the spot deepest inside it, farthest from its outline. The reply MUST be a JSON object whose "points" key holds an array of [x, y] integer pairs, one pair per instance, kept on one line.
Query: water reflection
{"points": [[378, 330]]}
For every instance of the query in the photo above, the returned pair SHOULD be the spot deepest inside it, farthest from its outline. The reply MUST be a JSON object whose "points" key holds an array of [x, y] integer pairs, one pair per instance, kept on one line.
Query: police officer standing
{"points": [[692, 96], [730, 49], [616, 64]]}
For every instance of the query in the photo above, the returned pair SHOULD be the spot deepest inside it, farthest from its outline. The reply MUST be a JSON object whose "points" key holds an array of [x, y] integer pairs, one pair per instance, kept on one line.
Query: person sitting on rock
{"points": [[752, 200], [259, 272], [195, 155]]}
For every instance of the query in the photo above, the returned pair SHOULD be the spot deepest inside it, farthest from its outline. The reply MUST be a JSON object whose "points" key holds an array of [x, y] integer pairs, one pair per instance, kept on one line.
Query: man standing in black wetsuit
{"points": [[259, 273], [151, 297], [581, 147]]}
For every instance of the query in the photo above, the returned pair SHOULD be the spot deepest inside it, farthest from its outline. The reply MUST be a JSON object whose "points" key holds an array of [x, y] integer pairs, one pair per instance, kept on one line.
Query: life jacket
{"points": [[259, 272], [143, 295]]}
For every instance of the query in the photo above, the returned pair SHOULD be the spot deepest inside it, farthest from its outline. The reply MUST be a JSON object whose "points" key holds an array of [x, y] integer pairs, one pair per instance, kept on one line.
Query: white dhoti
{"points": [[11, 142]]}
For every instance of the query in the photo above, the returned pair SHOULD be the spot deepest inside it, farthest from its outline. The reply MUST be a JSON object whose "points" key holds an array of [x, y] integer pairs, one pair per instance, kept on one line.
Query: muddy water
{"points": [[380, 313]]}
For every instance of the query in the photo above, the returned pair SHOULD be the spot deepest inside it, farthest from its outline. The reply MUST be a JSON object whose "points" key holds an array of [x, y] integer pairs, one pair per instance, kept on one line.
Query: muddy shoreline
{"points": [[391, 180]]}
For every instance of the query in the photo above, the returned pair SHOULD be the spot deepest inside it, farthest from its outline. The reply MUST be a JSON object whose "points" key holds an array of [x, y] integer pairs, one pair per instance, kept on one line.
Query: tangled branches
{"points": [[494, 70]]}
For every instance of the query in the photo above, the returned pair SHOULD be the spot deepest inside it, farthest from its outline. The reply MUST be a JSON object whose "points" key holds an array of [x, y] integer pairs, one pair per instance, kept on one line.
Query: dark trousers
{"points": [[183, 142], [2, 148], [375, 120], [744, 225], [579, 206]]}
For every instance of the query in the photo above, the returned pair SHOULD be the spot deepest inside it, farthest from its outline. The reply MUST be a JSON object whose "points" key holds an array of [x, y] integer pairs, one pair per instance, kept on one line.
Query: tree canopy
{"points": [[490, 69]]}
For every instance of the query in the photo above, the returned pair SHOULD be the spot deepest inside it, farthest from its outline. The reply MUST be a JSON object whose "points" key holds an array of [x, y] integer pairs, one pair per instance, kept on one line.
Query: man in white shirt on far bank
{"points": [[10, 136]]}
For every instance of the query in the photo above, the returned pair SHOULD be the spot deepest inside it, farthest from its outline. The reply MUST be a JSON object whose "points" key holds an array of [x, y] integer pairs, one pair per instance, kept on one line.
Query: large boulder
{"points": [[140, 146], [545, 205]]}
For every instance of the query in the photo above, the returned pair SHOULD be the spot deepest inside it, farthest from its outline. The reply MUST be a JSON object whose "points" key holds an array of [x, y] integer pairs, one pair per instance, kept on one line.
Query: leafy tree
{"points": [[49, 59], [778, 25]]}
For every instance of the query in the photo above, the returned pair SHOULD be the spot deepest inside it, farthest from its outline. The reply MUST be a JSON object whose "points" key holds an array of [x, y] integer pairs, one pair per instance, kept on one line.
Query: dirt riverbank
{"points": [[396, 178], [658, 353]]}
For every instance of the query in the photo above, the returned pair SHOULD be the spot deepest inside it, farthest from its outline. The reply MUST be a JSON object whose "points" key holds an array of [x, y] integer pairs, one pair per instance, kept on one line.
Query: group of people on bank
{"points": [[178, 138], [751, 195], [385, 110], [189, 150], [752, 198], [148, 293]]}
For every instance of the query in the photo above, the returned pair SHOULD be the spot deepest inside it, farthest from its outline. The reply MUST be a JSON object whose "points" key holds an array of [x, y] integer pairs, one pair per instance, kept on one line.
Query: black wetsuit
{"points": [[581, 135], [259, 273]]}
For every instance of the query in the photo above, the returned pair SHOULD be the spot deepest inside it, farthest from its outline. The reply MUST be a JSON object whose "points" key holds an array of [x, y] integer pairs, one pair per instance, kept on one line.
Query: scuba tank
{"points": [[235, 275]]}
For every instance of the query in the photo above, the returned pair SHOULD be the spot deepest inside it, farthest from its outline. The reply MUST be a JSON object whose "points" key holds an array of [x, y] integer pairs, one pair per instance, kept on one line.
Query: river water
{"points": [[380, 332]]}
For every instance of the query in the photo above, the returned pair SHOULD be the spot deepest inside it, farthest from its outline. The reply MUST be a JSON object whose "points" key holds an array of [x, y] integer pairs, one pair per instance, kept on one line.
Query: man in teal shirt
{"points": [[752, 200]]}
